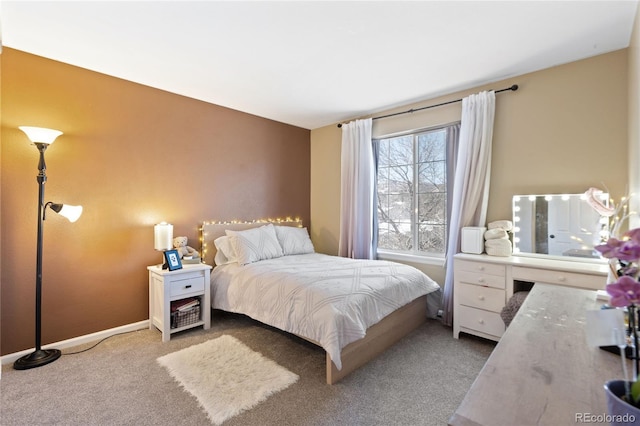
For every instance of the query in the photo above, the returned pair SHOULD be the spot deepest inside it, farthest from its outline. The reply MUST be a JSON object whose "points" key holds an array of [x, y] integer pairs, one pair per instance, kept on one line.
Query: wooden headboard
{"points": [[210, 230]]}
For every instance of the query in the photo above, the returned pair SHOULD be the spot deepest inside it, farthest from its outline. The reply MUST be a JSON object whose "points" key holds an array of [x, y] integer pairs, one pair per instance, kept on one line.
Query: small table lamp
{"points": [[163, 239]]}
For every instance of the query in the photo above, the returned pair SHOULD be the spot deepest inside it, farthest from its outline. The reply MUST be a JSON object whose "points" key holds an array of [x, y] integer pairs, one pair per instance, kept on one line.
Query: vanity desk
{"points": [[483, 284]]}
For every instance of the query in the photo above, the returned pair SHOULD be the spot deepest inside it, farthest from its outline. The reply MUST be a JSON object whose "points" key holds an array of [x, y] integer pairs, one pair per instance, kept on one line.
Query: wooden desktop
{"points": [[542, 372]]}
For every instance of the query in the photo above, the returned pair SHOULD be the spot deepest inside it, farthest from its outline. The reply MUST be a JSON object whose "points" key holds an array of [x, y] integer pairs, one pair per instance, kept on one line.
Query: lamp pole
{"points": [[39, 356]]}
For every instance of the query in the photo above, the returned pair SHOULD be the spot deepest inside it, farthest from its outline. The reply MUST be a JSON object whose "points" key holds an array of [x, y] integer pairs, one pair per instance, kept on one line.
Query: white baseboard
{"points": [[87, 338]]}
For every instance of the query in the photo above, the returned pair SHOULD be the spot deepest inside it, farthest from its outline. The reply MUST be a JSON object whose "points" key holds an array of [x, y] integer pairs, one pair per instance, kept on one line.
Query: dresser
{"points": [[483, 284]]}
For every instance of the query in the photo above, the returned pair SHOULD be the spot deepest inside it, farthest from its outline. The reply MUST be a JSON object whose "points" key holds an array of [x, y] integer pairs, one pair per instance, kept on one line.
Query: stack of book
{"points": [[184, 304], [185, 312]]}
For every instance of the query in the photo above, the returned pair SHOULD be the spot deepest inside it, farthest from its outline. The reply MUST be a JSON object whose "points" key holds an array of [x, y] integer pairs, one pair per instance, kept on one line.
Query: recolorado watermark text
{"points": [[605, 418]]}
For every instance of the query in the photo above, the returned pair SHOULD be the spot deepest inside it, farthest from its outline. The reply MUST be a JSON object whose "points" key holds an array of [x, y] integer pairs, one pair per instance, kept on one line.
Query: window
{"points": [[412, 193]]}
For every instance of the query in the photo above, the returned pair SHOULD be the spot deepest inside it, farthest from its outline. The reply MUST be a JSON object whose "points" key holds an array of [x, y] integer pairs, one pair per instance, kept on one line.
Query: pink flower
{"points": [[609, 250], [634, 235], [624, 292], [628, 251]]}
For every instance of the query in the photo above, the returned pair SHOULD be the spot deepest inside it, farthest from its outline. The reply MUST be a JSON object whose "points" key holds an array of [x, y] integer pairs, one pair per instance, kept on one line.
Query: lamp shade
{"points": [[40, 134], [72, 213], [163, 236]]}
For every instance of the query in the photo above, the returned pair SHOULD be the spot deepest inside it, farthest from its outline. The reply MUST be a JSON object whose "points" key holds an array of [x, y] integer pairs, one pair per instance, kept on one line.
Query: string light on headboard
{"points": [[279, 220]]}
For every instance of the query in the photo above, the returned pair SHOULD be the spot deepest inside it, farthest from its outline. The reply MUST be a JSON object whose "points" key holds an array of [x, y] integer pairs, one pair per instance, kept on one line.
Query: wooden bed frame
{"points": [[378, 338]]}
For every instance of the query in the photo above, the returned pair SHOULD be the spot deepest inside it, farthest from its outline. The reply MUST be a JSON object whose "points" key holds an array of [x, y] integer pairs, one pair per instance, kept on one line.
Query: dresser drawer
{"points": [[487, 298], [477, 278], [186, 286], [480, 267], [480, 320], [571, 279]]}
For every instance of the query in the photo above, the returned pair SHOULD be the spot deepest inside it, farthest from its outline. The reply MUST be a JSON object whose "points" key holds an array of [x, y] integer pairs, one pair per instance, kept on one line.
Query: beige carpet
{"points": [[225, 376], [418, 382]]}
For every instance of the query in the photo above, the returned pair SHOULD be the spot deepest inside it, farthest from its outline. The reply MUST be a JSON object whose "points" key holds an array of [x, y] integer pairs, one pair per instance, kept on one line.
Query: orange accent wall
{"points": [[132, 156]]}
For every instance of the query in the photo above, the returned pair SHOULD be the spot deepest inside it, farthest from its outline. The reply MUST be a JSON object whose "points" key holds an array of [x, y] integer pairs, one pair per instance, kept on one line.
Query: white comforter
{"points": [[331, 300]]}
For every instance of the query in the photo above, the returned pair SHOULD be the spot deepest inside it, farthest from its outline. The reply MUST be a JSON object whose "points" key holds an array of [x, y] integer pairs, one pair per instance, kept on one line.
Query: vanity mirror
{"points": [[558, 225]]}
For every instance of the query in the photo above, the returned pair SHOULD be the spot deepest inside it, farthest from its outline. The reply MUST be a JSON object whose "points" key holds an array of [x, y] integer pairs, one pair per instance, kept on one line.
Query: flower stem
{"points": [[634, 339]]}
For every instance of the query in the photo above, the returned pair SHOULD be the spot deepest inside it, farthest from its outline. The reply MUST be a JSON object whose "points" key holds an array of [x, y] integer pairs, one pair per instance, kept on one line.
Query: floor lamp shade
{"points": [[40, 134], [163, 236], [72, 213]]}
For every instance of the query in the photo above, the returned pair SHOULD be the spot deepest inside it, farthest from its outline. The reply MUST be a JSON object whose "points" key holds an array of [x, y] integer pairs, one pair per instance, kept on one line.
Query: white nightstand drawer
{"points": [[480, 320], [190, 285], [487, 298], [477, 278], [570, 279], [480, 267], [181, 275]]}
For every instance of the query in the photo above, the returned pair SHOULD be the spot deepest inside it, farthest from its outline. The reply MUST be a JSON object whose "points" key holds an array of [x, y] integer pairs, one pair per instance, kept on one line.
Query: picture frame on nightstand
{"points": [[172, 259]]}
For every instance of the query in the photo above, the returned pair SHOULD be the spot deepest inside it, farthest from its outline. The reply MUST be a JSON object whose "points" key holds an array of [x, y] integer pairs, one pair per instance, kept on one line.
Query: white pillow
{"points": [[224, 251], [294, 240], [255, 244]]}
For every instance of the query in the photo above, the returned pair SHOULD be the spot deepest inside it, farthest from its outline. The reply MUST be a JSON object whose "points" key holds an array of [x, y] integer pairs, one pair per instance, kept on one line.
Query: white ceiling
{"points": [[311, 64]]}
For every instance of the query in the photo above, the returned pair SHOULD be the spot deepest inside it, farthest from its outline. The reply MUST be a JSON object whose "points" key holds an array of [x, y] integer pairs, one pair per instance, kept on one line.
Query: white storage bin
{"points": [[472, 239]]}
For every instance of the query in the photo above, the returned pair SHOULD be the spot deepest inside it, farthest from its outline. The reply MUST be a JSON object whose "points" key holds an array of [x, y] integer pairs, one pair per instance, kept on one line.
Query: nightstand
{"points": [[192, 281]]}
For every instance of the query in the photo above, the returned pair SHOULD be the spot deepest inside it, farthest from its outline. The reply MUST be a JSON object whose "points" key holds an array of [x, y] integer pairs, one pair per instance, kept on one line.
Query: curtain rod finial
{"points": [[514, 87]]}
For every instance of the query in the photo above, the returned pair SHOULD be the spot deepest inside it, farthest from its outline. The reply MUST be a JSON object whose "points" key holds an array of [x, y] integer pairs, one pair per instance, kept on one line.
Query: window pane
{"points": [[383, 208], [401, 150], [383, 153], [431, 146], [432, 177], [399, 208], [431, 238], [383, 233], [432, 208], [395, 236], [401, 180], [383, 180]]}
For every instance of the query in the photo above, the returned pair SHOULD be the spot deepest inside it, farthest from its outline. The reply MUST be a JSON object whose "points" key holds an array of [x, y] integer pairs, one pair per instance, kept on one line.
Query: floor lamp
{"points": [[42, 138]]}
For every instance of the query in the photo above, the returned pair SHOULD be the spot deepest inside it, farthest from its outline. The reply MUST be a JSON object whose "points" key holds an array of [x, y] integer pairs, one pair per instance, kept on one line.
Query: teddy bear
{"points": [[180, 244]]}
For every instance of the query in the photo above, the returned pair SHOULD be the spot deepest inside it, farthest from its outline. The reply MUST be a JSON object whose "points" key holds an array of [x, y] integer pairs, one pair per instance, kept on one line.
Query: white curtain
{"points": [[357, 208], [471, 183]]}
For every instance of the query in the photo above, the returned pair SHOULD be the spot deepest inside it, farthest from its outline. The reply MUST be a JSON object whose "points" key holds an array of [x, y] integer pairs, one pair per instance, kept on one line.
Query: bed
{"points": [[353, 309]]}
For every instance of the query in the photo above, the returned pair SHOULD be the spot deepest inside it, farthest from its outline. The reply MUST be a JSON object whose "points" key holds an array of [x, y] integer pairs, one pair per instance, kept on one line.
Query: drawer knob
{"points": [[480, 321], [480, 280], [481, 297], [480, 268], [562, 279], [187, 286]]}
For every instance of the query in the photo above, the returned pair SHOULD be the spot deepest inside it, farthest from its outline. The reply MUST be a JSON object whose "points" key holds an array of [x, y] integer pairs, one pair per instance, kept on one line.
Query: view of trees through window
{"points": [[412, 196]]}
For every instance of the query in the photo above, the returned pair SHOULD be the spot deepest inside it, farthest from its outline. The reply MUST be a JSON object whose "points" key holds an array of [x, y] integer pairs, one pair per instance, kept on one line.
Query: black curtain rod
{"points": [[512, 88]]}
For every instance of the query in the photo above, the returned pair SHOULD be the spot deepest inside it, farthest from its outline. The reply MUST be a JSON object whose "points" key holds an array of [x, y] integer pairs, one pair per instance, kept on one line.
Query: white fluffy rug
{"points": [[225, 376]]}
